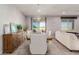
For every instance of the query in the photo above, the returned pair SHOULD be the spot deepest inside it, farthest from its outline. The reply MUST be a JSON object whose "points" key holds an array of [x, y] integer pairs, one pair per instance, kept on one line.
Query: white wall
{"points": [[28, 22], [76, 25], [54, 23], [9, 14]]}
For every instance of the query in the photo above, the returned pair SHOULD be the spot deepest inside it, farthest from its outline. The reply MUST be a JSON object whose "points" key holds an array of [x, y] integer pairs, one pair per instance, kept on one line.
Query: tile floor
{"points": [[54, 48]]}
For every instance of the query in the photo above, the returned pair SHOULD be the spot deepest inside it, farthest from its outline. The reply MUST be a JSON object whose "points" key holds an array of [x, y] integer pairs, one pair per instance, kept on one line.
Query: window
{"points": [[67, 23], [39, 24]]}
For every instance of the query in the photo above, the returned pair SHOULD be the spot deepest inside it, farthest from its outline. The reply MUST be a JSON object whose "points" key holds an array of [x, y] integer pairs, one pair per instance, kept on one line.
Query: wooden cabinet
{"points": [[8, 46], [12, 41]]}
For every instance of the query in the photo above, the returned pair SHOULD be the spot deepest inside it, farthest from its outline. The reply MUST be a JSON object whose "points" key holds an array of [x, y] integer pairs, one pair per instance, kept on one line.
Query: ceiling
{"points": [[48, 9]]}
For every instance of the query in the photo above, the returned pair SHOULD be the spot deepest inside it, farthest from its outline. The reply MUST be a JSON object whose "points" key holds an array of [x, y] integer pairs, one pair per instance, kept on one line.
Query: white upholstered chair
{"points": [[38, 43]]}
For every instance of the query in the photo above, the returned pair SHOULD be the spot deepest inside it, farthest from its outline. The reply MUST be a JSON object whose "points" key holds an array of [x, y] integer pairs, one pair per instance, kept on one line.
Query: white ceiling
{"points": [[48, 9]]}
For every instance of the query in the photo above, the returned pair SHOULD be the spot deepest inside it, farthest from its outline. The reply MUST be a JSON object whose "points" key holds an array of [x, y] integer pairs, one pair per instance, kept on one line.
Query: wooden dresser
{"points": [[8, 46], [12, 41]]}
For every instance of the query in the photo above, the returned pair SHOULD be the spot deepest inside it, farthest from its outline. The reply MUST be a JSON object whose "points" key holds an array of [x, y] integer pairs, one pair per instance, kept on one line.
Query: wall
{"points": [[28, 22], [54, 23], [76, 25], [9, 14]]}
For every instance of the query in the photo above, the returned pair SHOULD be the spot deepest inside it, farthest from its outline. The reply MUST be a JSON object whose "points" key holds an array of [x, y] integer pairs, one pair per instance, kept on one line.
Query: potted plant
{"points": [[19, 27]]}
